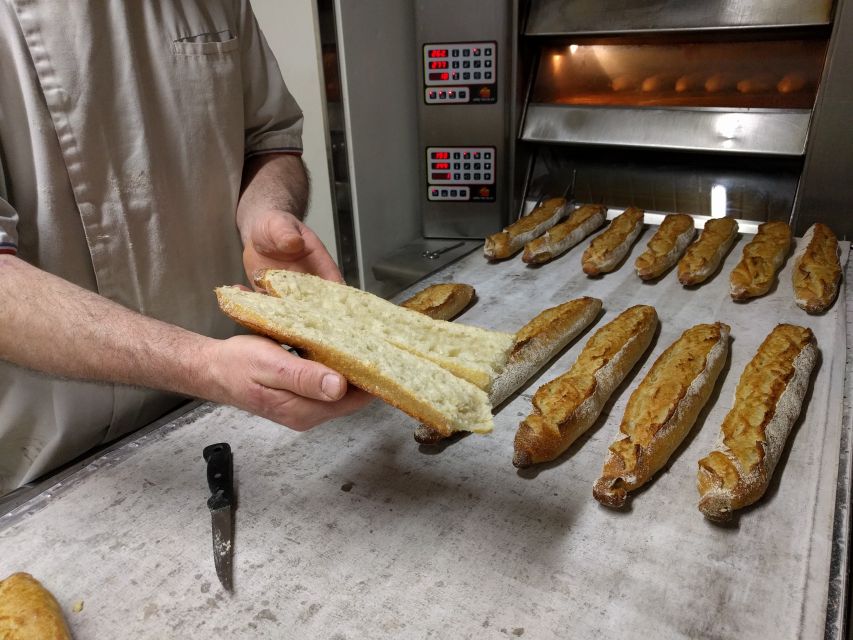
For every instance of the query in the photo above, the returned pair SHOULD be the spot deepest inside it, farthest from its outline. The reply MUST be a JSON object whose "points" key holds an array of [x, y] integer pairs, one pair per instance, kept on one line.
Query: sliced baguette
{"points": [[512, 239], [441, 301], [28, 611], [817, 270], [703, 257], [567, 406], [563, 236], [662, 410], [609, 248], [477, 355], [536, 343], [418, 386], [666, 246], [767, 402], [762, 257]]}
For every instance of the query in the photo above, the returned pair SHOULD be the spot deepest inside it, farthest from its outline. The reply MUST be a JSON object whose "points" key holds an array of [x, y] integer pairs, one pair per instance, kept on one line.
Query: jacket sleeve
{"points": [[8, 218]]}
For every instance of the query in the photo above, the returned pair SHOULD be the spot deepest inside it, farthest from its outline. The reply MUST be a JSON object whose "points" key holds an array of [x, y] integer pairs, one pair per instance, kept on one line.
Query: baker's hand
{"points": [[278, 240], [256, 374]]}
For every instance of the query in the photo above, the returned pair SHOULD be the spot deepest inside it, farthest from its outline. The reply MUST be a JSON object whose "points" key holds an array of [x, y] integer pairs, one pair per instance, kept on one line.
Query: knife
{"points": [[221, 505]]}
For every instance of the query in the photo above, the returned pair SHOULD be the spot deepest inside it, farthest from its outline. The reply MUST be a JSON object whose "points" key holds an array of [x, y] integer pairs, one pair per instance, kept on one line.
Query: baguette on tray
{"points": [[609, 248], [703, 257], [762, 257], [394, 356], [767, 402], [563, 236], [441, 301], [662, 410], [666, 246], [512, 239], [817, 270], [567, 406], [535, 344], [28, 611]]}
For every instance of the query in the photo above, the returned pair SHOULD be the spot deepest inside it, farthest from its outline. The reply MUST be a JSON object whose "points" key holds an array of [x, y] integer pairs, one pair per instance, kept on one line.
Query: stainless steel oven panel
{"points": [[781, 133], [576, 17]]}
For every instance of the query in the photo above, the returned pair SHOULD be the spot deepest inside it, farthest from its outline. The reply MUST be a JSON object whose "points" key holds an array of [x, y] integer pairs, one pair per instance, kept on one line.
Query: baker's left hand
{"points": [[279, 240]]}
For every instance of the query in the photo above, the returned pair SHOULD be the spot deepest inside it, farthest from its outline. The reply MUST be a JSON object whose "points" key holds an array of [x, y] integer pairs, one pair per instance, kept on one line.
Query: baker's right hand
{"points": [[258, 375]]}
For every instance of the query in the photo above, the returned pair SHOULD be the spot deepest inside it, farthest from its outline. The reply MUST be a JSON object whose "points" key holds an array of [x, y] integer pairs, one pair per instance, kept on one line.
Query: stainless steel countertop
{"points": [[351, 530]]}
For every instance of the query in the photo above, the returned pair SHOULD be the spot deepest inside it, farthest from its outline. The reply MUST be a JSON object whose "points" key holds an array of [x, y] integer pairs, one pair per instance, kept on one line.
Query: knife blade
{"points": [[221, 504]]}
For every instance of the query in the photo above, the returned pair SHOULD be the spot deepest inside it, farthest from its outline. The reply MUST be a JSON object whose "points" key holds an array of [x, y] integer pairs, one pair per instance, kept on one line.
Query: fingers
{"points": [[277, 369], [278, 237], [301, 414]]}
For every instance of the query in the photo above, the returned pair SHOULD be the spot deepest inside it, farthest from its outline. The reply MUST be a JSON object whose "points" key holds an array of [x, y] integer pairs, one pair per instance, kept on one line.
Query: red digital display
{"points": [[438, 64], [441, 165], [441, 155], [441, 176], [439, 75], [438, 53]]}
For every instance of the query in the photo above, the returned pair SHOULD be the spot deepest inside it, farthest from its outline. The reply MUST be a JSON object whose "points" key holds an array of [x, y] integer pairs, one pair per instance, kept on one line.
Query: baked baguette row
{"points": [[762, 257], [563, 236], [703, 257], [474, 354], [512, 239], [609, 248], [565, 407], [661, 410], [666, 246], [535, 345], [389, 363], [28, 611], [767, 402], [441, 301], [817, 270]]}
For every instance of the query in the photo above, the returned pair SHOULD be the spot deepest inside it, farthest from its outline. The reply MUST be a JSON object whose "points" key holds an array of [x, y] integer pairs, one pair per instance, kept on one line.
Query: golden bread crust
{"points": [[762, 257], [503, 244], [703, 257], [738, 472], [817, 270], [665, 247], [555, 241], [610, 247], [441, 301], [662, 409], [561, 408], [28, 611]]}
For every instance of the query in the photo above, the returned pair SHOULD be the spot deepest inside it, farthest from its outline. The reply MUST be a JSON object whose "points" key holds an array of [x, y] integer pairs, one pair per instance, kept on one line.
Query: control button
{"points": [[453, 193], [467, 176], [487, 75], [467, 166], [476, 166], [488, 52], [451, 95], [466, 64], [466, 155], [487, 155], [487, 165], [477, 64], [476, 176], [444, 193], [442, 95], [457, 165], [476, 155], [487, 176], [463, 94], [476, 75], [457, 176], [466, 52], [455, 64], [455, 53], [434, 193], [454, 75], [487, 63], [476, 52], [466, 75]]}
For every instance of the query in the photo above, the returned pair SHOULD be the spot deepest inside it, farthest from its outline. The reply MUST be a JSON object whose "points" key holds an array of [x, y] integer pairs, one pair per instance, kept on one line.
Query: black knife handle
{"points": [[220, 475]]}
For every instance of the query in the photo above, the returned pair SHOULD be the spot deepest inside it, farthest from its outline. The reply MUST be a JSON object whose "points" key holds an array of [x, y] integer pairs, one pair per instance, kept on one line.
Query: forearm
{"points": [[273, 181], [53, 326]]}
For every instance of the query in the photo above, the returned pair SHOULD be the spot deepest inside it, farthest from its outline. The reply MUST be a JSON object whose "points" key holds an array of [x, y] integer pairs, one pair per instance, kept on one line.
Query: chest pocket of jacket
{"points": [[206, 44]]}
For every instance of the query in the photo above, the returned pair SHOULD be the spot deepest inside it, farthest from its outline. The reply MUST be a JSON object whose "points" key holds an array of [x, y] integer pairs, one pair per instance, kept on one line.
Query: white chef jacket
{"points": [[124, 125]]}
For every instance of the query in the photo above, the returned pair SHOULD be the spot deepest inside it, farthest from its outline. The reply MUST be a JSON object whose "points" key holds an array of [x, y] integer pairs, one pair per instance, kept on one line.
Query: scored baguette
{"points": [[817, 270], [565, 407], [609, 248], [762, 257], [513, 238], [474, 354], [666, 246], [417, 386], [662, 410], [703, 257], [767, 402], [563, 236], [535, 345], [28, 611], [441, 301]]}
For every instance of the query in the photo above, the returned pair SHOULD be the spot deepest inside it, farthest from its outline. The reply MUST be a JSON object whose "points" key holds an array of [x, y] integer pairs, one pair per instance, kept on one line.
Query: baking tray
{"points": [[351, 530]]}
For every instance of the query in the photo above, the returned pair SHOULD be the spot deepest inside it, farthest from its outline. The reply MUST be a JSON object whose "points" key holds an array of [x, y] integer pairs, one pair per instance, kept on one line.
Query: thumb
{"points": [[280, 369], [278, 236]]}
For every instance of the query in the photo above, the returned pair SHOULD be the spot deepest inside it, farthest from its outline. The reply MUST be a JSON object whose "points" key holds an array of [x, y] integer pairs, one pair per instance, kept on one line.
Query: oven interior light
{"points": [[718, 201], [556, 62], [573, 48]]}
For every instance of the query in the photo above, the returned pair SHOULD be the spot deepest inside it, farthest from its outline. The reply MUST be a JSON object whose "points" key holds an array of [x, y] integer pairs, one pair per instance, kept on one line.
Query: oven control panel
{"points": [[460, 73], [465, 174]]}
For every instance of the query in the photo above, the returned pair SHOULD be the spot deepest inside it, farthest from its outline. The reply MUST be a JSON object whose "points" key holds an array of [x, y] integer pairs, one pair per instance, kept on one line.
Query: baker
{"points": [[145, 147]]}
